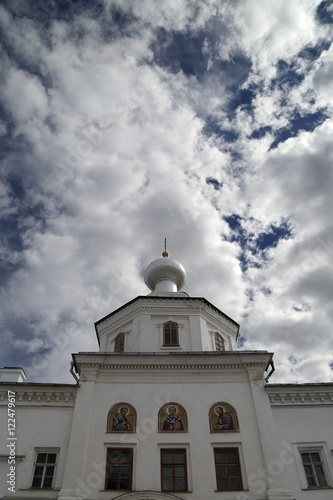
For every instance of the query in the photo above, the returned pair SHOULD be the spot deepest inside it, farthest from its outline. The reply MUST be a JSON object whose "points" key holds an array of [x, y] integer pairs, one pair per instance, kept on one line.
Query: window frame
{"points": [[174, 464], [170, 322], [233, 448], [47, 451], [120, 335], [312, 464], [313, 447], [120, 449], [218, 339]]}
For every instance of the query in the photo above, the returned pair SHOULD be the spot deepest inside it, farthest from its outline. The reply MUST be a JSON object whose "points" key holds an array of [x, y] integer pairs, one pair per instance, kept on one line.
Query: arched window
{"points": [[119, 343], [172, 418], [219, 342], [223, 418], [121, 418], [170, 334]]}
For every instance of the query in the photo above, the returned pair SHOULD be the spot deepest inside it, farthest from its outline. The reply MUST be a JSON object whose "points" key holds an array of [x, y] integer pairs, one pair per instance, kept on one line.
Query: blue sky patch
{"points": [[180, 51], [324, 13], [287, 75], [312, 53], [253, 250], [260, 132], [243, 99], [308, 123], [212, 127], [273, 235]]}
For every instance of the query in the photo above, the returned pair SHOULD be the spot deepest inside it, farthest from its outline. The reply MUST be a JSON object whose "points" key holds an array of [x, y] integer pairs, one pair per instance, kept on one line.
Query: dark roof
{"points": [[149, 297]]}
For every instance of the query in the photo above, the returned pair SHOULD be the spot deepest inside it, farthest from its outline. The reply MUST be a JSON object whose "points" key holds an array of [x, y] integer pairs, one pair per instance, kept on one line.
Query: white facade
{"points": [[169, 356]]}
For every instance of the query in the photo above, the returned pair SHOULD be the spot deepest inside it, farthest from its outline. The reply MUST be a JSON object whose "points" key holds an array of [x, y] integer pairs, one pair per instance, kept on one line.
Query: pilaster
{"points": [[79, 438], [274, 472]]}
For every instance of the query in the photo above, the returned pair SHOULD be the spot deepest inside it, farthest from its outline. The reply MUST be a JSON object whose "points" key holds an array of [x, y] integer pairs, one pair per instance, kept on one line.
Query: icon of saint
{"points": [[224, 421], [120, 422], [172, 421]]}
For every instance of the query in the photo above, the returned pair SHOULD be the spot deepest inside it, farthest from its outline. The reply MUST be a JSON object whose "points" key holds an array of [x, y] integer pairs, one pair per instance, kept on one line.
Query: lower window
{"points": [[227, 466], [314, 469], [119, 469], [44, 469], [173, 470]]}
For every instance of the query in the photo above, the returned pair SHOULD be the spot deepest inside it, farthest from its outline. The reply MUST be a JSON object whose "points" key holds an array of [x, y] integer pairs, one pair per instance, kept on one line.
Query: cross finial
{"points": [[165, 253]]}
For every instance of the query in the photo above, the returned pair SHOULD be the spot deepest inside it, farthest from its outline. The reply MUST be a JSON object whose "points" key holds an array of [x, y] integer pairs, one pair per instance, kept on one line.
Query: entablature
{"points": [[300, 394], [172, 367], [160, 305], [39, 394]]}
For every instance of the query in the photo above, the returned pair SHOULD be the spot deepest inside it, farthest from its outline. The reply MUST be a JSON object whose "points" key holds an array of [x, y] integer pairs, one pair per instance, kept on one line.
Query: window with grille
{"points": [[219, 342], [228, 473], [173, 470], [119, 469], [44, 469], [119, 343], [314, 469], [170, 334]]}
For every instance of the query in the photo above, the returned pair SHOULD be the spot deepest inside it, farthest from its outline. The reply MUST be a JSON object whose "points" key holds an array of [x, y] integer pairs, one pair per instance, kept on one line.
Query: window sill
{"points": [[168, 347], [229, 491], [176, 491], [317, 488], [39, 489], [121, 491]]}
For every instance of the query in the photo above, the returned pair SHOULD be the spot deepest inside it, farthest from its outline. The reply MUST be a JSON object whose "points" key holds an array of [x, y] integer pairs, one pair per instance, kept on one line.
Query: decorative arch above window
{"points": [[119, 342], [223, 418], [170, 334], [219, 342], [121, 418], [172, 418]]}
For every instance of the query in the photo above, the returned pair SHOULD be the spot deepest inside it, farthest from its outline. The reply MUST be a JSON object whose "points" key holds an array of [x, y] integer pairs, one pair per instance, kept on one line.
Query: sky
{"points": [[208, 122]]}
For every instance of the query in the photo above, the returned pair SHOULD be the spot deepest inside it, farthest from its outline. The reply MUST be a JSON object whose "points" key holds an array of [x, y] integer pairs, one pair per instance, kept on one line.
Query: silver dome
{"points": [[165, 269]]}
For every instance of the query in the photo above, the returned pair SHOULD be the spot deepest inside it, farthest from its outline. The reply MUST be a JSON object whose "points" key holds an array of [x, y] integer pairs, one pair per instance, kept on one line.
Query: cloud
{"points": [[208, 124]]}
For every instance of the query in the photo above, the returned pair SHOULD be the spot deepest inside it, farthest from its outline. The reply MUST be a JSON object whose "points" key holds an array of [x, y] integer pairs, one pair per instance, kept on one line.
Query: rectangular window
{"points": [[314, 469], [170, 334], [119, 469], [173, 470], [227, 466], [44, 469]]}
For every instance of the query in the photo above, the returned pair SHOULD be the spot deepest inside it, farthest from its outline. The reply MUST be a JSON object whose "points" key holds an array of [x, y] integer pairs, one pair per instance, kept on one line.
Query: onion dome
{"points": [[165, 275]]}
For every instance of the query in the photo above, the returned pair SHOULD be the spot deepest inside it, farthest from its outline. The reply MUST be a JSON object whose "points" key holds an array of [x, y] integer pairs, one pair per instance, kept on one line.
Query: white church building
{"points": [[166, 409]]}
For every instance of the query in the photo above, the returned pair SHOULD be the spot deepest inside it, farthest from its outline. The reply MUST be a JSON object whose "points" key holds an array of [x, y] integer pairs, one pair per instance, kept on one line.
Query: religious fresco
{"points": [[121, 418], [222, 417], [172, 418]]}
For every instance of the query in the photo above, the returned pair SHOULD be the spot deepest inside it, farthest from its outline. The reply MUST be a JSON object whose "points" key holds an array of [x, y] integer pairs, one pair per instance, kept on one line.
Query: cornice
{"points": [[39, 397], [175, 378], [171, 372], [300, 395], [186, 305]]}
